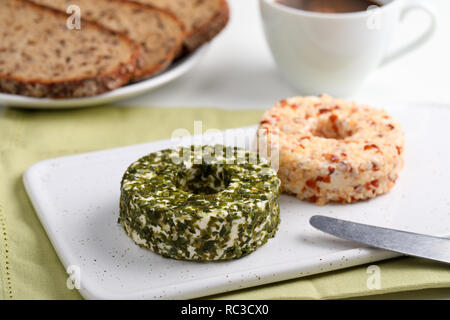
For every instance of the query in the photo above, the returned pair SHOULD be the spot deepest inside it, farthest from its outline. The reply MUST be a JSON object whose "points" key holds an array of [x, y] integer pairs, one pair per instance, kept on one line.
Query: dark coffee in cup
{"points": [[330, 6]]}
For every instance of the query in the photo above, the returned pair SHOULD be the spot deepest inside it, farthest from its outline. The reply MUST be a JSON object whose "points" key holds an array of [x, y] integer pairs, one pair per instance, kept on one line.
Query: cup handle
{"points": [[422, 39]]}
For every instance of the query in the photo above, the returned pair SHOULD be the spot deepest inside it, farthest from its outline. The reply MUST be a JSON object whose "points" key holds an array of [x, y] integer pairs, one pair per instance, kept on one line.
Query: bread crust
{"points": [[143, 70], [70, 88], [76, 87], [210, 29], [206, 32], [177, 48]]}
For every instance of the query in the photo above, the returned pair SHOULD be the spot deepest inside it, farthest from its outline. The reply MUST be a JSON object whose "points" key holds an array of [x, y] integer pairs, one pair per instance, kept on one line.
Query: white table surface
{"points": [[238, 72]]}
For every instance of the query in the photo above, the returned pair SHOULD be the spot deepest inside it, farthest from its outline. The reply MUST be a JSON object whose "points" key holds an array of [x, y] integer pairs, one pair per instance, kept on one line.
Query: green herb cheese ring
{"points": [[201, 202]]}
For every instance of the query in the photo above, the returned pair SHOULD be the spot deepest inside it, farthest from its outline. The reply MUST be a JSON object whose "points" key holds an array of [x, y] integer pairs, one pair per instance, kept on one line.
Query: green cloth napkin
{"points": [[29, 266]]}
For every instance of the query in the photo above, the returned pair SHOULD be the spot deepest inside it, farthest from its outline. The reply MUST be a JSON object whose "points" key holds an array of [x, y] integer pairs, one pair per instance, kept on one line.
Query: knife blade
{"points": [[408, 243]]}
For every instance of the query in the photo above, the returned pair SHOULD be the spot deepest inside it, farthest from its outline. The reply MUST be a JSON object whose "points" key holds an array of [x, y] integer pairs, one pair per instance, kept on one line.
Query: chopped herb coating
{"points": [[201, 202]]}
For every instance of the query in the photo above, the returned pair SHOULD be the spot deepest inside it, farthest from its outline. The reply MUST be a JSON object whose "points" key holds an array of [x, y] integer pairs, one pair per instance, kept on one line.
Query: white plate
{"points": [[176, 70], [77, 201]]}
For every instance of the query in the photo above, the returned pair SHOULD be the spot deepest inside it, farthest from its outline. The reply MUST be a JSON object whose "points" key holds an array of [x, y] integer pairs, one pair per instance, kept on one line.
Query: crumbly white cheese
{"points": [[333, 149]]}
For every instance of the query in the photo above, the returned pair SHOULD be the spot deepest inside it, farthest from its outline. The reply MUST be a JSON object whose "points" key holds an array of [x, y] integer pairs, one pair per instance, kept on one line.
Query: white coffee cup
{"points": [[333, 53]]}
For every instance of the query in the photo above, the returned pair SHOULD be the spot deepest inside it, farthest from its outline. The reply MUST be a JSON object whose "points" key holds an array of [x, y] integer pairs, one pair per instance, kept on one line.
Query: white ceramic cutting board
{"points": [[77, 201]]}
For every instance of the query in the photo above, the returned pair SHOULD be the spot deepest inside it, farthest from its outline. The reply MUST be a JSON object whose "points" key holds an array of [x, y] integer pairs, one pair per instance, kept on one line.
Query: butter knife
{"points": [[408, 243]]}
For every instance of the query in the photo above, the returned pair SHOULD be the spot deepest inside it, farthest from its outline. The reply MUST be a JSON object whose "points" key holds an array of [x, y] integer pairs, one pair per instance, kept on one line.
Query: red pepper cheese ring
{"points": [[332, 149]]}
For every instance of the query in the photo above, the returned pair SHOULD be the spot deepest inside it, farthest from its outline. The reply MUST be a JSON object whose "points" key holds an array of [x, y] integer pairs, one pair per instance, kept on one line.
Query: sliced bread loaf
{"points": [[203, 19], [41, 57], [159, 33]]}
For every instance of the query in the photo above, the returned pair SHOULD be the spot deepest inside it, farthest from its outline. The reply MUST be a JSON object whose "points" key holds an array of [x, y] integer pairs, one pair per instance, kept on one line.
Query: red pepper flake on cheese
{"points": [[324, 110], [354, 143], [331, 157], [370, 146], [311, 183], [333, 118], [327, 179]]}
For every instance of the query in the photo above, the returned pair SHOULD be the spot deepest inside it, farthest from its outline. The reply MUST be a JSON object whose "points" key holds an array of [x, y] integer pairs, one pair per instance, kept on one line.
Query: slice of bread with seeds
{"points": [[203, 19], [159, 33], [41, 57]]}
